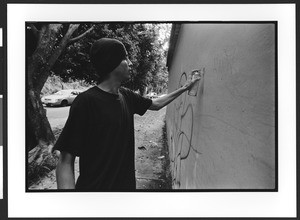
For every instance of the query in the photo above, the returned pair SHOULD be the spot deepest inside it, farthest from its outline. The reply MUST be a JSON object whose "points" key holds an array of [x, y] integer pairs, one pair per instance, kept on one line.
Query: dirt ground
{"points": [[151, 157]]}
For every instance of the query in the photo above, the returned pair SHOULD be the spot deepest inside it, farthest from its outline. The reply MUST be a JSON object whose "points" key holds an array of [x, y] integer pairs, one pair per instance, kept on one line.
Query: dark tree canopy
{"points": [[142, 42]]}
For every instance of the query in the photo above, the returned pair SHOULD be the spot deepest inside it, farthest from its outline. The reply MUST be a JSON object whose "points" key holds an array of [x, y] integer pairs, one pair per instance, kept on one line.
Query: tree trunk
{"points": [[39, 136], [37, 124]]}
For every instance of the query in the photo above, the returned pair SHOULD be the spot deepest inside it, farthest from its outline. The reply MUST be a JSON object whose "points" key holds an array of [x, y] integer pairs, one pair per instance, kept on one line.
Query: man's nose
{"points": [[129, 62]]}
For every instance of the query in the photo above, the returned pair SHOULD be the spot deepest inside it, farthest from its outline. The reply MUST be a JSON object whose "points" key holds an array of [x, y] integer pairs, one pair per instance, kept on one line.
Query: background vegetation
{"points": [[145, 43]]}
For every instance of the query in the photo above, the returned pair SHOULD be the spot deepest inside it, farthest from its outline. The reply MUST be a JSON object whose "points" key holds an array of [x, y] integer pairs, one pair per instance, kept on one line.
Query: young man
{"points": [[100, 128]]}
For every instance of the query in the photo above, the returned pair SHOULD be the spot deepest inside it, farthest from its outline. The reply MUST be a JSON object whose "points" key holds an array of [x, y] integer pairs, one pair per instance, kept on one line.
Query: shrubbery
{"points": [[55, 83]]}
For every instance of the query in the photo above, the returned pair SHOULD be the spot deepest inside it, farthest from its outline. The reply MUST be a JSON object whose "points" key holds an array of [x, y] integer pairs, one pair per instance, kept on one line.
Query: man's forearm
{"points": [[65, 176], [161, 102]]}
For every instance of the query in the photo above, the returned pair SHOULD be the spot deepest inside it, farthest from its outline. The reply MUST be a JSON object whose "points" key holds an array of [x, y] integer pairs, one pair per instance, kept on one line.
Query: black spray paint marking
{"points": [[182, 139]]}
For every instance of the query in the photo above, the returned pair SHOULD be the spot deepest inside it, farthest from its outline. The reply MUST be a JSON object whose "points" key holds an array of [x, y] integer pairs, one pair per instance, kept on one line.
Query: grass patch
{"points": [[55, 83], [36, 172]]}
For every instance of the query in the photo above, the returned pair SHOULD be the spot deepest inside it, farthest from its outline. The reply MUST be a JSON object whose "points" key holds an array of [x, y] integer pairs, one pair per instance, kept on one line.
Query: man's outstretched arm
{"points": [[65, 171], [161, 102]]}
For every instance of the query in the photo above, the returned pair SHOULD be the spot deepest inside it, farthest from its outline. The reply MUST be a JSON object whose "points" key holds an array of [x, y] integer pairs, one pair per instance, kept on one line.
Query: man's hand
{"points": [[165, 100], [197, 75]]}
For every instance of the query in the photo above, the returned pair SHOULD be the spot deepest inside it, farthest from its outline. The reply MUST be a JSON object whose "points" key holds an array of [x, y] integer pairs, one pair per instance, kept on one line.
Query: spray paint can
{"points": [[196, 73]]}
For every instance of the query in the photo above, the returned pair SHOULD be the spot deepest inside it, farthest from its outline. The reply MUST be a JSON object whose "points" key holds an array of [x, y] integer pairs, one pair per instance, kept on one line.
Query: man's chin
{"points": [[125, 79]]}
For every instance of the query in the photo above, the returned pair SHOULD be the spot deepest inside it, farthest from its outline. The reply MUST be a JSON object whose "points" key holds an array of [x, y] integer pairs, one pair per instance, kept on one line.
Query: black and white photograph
{"points": [[199, 100], [123, 108]]}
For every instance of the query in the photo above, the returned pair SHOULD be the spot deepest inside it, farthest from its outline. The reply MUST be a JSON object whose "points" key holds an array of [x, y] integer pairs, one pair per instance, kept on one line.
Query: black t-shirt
{"points": [[100, 131]]}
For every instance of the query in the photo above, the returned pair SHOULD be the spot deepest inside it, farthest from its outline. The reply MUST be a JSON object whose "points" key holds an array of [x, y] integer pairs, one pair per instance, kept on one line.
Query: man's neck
{"points": [[110, 86]]}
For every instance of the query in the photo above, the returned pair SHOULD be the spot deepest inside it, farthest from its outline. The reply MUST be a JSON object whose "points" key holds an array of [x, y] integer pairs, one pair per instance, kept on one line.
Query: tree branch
{"points": [[50, 60], [35, 31], [62, 45], [82, 35]]}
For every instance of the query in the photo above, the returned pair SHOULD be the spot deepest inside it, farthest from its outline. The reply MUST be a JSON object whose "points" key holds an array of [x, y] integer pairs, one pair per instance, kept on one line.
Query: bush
{"points": [[55, 83]]}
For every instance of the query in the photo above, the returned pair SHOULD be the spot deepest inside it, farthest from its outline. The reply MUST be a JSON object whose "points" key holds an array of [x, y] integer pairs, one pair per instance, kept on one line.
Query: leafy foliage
{"points": [[143, 43]]}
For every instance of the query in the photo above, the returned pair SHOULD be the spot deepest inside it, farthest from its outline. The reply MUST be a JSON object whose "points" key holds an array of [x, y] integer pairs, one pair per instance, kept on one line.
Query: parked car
{"points": [[61, 98]]}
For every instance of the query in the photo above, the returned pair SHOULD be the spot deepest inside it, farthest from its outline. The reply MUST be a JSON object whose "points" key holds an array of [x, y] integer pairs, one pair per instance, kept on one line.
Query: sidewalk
{"points": [[151, 157]]}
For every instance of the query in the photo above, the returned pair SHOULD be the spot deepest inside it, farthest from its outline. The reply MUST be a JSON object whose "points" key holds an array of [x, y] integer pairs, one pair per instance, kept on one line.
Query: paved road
{"points": [[57, 116]]}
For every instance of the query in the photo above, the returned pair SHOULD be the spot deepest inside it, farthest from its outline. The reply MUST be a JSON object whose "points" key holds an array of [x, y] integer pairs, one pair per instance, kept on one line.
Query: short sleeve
{"points": [[73, 135], [140, 104]]}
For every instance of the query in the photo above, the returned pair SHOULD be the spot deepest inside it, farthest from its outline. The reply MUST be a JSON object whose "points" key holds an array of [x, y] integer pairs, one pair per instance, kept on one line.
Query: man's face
{"points": [[122, 72]]}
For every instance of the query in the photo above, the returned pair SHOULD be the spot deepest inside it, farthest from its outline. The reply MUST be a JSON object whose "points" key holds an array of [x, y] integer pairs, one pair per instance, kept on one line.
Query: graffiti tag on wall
{"points": [[181, 136]]}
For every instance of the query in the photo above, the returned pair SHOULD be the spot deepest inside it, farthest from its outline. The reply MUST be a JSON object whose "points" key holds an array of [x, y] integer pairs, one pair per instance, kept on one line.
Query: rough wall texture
{"points": [[224, 138]]}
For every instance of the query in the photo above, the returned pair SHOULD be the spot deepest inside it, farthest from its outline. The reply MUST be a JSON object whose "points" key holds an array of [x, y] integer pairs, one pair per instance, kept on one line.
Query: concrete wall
{"points": [[224, 138]]}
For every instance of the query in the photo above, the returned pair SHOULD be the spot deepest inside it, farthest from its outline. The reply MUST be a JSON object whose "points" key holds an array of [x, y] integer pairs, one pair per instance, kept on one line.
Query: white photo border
{"points": [[191, 204]]}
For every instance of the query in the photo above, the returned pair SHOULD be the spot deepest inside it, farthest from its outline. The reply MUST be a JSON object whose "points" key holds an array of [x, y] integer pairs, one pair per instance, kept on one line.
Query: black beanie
{"points": [[106, 54]]}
